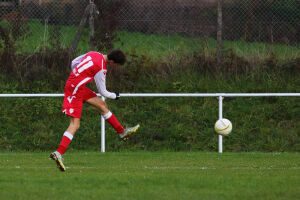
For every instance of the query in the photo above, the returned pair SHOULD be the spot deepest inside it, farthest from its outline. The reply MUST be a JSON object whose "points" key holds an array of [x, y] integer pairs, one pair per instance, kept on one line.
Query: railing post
{"points": [[102, 132], [220, 117]]}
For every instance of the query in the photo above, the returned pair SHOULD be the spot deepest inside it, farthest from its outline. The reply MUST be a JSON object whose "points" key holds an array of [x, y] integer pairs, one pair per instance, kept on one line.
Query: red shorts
{"points": [[72, 104]]}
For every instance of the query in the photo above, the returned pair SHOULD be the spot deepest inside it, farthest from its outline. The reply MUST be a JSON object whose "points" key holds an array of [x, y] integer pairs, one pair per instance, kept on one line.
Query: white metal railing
{"points": [[172, 95], [220, 96]]}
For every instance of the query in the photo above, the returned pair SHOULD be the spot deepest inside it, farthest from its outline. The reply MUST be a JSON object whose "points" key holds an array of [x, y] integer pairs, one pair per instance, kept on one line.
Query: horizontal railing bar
{"points": [[31, 95], [170, 95], [208, 94]]}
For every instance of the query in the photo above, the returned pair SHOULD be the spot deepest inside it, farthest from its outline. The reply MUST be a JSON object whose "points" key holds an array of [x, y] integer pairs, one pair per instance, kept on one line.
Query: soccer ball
{"points": [[223, 127]]}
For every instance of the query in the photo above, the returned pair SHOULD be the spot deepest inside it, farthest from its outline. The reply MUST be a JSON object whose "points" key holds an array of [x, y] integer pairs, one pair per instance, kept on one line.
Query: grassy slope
{"points": [[151, 176], [259, 124], [154, 44], [164, 45]]}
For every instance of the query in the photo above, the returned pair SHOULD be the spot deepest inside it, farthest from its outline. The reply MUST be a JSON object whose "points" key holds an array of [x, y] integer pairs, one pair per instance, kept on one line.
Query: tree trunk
{"points": [[219, 33]]}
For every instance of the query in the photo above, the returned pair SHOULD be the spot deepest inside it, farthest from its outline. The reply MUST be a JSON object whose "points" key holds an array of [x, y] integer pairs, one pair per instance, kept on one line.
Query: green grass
{"points": [[145, 175], [153, 44], [38, 36], [174, 124], [163, 45]]}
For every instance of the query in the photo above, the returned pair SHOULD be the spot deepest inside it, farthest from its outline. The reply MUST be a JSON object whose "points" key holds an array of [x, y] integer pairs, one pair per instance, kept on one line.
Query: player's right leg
{"points": [[106, 113], [111, 118], [128, 131]]}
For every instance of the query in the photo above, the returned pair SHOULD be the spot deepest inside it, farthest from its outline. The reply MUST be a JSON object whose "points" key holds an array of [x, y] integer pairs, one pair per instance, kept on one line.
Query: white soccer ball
{"points": [[223, 127]]}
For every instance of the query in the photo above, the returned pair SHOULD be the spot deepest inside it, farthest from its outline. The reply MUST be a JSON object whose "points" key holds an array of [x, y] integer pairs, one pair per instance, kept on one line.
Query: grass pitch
{"points": [[145, 175]]}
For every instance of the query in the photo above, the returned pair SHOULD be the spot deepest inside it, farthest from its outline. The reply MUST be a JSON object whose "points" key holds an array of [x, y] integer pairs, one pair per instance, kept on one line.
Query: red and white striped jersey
{"points": [[88, 67]]}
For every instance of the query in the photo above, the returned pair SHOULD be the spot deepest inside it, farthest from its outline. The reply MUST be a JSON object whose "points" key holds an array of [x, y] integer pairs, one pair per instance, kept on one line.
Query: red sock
{"points": [[112, 120], [65, 141]]}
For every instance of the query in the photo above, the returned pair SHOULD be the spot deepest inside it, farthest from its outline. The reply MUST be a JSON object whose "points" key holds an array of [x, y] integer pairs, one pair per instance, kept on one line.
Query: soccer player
{"points": [[86, 68]]}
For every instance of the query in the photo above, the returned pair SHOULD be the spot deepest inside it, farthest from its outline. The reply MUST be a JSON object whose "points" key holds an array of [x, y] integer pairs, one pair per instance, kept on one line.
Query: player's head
{"points": [[117, 57]]}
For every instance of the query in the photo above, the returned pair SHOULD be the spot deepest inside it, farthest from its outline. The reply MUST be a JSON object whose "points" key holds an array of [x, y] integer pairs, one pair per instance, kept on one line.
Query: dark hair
{"points": [[117, 56]]}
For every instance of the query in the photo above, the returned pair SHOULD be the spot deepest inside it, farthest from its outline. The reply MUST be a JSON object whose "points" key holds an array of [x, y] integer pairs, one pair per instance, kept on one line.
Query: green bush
{"points": [[173, 124]]}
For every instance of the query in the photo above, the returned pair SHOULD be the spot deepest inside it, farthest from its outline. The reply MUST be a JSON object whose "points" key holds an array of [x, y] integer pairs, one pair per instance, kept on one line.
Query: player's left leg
{"points": [[68, 135], [65, 141], [72, 106]]}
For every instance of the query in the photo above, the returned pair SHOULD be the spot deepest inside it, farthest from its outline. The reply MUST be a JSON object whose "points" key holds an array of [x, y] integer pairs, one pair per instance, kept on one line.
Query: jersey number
{"points": [[83, 65]]}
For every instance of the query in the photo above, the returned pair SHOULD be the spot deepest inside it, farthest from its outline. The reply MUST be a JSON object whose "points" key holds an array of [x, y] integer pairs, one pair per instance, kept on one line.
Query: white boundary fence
{"points": [[220, 96]]}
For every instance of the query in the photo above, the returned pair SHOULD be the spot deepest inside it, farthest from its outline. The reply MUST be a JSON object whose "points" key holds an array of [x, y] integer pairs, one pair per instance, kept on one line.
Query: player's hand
{"points": [[117, 95]]}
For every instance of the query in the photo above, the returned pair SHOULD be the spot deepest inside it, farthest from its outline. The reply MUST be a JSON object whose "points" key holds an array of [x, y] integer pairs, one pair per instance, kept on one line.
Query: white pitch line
{"points": [[215, 168], [177, 167], [163, 168]]}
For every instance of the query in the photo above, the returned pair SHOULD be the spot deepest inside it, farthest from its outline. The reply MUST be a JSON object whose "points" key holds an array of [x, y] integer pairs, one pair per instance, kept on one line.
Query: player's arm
{"points": [[100, 79], [76, 61]]}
